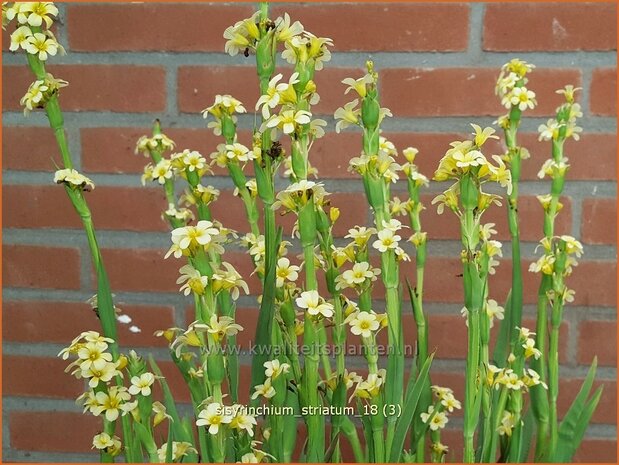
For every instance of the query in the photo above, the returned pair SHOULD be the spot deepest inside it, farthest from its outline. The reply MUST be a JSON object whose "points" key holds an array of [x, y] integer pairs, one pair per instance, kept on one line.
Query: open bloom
{"points": [[112, 403], [437, 420], [314, 304], [347, 115], [41, 45], [242, 421], [141, 384], [213, 416], [19, 38], [274, 368], [387, 240], [288, 120], [193, 236], [364, 324], [220, 327], [265, 390], [286, 272]]}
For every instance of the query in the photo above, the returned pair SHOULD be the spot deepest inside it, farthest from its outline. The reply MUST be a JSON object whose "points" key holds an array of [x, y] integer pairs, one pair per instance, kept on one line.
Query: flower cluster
{"points": [[511, 86], [274, 373], [465, 158], [563, 126], [216, 416], [73, 179], [366, 324], [436, 416]]}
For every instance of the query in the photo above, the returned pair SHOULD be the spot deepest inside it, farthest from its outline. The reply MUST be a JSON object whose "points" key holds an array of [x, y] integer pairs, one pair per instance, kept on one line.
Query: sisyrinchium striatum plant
{"points": [[314, 304]]}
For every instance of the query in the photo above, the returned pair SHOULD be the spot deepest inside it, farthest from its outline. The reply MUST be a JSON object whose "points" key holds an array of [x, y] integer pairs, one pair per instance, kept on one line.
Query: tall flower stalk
{"points": [[294, 377], [516, 98]]}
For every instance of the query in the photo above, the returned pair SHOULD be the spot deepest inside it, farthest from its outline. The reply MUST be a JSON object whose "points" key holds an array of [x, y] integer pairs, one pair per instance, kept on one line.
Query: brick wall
{"points": [[128, 64]]}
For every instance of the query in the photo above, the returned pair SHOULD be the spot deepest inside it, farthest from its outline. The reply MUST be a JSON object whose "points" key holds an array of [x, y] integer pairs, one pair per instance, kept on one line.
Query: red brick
{"points": [[189, 28], [603, 98], [593, 281], [599, 221], [386, 27], [593, 157], [22, 378], [464, 91], [118, 88], [112, 150], [198, 85], [573, 26], [447, 226], [29, 149], [597, 338], [597, 451], [146, 270], [60, 322], [118, 208], [75, 434], [606, 412], [353, 211], [41, 267]]}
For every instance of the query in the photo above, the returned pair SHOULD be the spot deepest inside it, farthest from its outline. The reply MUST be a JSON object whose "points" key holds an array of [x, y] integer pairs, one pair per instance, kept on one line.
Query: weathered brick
{"points": [[75, 435], [464, 91], [597, 338], [29, 149], [388, 26], [117, 88], [22, 377], [598, 221], [40, 267], [60, 322], [198, 85], [603, 97], [573, 26], [118, 208], [151, 27]]}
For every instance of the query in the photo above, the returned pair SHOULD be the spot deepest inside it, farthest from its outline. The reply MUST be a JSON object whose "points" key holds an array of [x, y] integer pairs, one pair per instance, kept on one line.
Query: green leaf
{"points": [[572, 417], [527, 436], [502, 344], [147, 440], [265, 315], [576, 420], [413, 393], [176, 425]]}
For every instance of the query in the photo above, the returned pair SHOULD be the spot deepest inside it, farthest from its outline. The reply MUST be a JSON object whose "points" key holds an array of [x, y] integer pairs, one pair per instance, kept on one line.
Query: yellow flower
{"points": [[437, 420], [481, 136], [39, 12], [358, 85], [286, 272], [242, 421], [19, 38], [364, 324], [219, 327], [508, 423], [141, 384], [286, 31], [265, 390], [274, 368], [160, 413], [314, 304], [113, 403], [347, 115], [213, 416], [41, 45], [568, 92], [102, 441]]}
